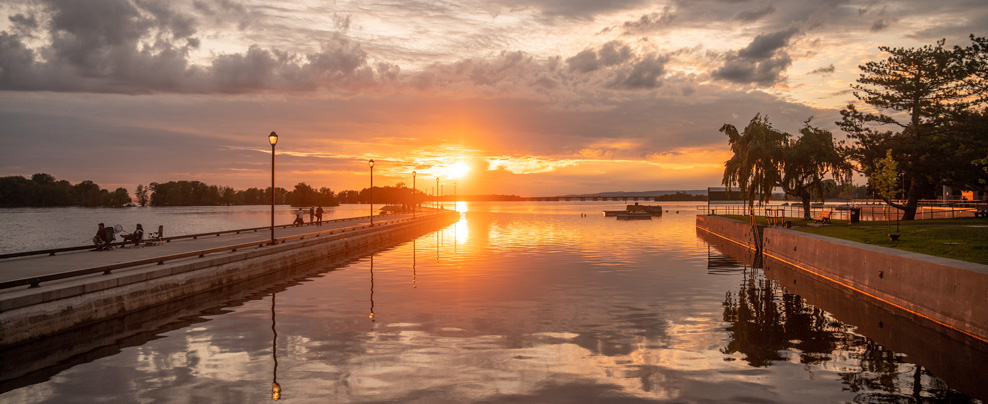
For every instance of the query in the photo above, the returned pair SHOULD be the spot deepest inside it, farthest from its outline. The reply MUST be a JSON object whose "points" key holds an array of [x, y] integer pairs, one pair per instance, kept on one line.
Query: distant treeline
{"points": [[195, 193], [42, 190]]}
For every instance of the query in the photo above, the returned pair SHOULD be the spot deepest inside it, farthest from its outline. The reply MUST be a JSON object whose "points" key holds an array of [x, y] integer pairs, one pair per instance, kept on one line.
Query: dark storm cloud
{"points": [[650, 22], [574, 9], [766, 45], [762, 62], [23, 21], [118, 46], [826, 70], [610, 54], [755, 14], [642, 75]]}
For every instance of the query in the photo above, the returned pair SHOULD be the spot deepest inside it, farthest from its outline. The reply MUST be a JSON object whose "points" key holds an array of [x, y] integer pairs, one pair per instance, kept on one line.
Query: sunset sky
{"points": [[535, 97]]}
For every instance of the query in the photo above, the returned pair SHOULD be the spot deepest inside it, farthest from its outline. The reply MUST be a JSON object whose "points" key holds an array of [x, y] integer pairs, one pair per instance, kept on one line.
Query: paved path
{"points": [[38, 265]]}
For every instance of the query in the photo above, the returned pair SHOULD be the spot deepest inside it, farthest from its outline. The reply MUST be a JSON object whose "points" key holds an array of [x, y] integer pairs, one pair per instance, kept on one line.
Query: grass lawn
{"points": [[963, 239]]}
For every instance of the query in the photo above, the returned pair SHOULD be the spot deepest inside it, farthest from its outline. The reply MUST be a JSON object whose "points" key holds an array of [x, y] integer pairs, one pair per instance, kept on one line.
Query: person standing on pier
{"points": [[319, 216], [312, 215]]}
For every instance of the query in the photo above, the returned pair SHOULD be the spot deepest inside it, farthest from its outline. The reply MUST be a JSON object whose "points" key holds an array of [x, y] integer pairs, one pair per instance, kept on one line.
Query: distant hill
{"points": [[634, 194]]}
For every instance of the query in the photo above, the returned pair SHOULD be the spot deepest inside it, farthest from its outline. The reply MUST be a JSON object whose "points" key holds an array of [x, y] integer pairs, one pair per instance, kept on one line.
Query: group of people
{"points": [[315, 216], [105, 236]]}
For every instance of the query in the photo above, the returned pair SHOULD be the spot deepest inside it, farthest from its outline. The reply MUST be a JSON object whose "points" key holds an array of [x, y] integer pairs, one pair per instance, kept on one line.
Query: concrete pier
{"points": [[57, 306], [948, 292]]}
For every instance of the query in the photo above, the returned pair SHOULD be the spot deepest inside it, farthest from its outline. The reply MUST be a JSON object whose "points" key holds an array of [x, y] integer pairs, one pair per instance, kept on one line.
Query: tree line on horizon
{"points": [[923, 125], [43, 190]]}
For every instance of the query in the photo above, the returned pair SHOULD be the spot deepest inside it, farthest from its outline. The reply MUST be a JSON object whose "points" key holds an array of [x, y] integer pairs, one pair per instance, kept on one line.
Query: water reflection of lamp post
{"points": [[371, 316], [371, 164], [413, 194], [413, 265], [455, 197], [273, 139], [275, 387]]}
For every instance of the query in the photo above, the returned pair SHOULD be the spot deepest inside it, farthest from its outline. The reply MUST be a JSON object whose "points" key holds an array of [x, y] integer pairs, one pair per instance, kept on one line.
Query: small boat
{"points": [[633, 216], [614, 212]]}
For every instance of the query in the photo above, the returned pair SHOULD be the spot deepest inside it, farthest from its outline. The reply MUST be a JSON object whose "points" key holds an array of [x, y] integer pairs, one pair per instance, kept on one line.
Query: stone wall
{"points": [[950, 292]]}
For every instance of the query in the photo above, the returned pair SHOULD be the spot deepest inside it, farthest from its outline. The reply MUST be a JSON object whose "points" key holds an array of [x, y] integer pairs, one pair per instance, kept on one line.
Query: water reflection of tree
{"points": [[765, 322]]}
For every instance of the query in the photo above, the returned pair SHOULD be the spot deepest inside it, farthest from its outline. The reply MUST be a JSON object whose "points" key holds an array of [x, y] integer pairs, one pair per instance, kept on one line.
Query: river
{"points": [[520, 302]]}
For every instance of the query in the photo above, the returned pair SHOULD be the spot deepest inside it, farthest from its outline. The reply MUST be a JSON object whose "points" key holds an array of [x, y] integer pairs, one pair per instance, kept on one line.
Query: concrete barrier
{"points": [[949, 292], [33, 313]]}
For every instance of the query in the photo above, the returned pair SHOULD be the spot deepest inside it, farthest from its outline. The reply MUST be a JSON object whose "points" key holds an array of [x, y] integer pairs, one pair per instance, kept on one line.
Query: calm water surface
{"points": [[41, 228], [517, 302]]}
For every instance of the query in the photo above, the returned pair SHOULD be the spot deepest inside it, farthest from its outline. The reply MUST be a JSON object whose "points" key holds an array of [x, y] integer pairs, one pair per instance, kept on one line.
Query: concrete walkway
{"points": [[39, 265]]}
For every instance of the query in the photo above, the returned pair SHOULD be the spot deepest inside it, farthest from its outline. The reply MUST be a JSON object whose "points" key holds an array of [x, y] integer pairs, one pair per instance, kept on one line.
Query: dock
{"points": [[41, 295]]}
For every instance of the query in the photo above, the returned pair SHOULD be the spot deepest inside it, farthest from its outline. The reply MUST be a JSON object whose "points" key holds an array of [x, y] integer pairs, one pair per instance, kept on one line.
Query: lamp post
{"points": [[413, 194], [371, 164], [273, 139], [437, 191], [455, 197]]}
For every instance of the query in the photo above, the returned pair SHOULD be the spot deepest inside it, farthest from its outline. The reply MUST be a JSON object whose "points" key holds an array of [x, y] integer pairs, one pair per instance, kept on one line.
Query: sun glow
{"points": [[457, 171]]}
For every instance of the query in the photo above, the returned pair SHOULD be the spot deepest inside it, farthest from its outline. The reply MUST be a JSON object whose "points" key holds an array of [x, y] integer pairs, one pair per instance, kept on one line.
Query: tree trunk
{"points": [[911, 203], [806, 205]]}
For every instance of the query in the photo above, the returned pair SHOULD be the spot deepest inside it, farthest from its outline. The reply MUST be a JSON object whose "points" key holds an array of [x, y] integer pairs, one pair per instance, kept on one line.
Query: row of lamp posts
{"points": [[273, 139]]}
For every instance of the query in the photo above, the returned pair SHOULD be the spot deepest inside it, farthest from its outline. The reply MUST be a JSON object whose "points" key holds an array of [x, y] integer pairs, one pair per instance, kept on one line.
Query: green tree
{"points": [[916, 92], [885, 181], [805, 163], [303, 195], [758, 154], [142, 195]]}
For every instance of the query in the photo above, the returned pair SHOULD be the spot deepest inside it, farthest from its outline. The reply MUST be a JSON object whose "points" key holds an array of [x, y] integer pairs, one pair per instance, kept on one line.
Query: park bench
{"points": [[824, 217]]}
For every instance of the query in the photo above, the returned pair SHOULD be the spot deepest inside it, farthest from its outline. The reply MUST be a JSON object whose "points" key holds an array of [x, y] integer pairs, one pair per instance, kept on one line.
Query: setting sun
{"points": [[457, 170]]}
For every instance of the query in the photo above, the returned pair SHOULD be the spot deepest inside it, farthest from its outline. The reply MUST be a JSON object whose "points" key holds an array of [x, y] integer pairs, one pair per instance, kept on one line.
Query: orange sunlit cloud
{"points": [[528, 98]]}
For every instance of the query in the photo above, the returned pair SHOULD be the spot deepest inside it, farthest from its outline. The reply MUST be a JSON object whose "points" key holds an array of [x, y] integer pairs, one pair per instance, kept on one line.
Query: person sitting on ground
{"points": [[298, 217], [136, 236], [100, 239]]}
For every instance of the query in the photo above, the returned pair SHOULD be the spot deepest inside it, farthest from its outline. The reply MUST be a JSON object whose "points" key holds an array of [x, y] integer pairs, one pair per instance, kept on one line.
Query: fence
{"points": [[34, 282], [871, 209]]}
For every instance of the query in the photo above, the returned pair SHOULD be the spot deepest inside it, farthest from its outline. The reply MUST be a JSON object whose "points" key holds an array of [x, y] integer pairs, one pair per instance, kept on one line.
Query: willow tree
{"points": [[807, 161], [912, 97], [758, 153]]}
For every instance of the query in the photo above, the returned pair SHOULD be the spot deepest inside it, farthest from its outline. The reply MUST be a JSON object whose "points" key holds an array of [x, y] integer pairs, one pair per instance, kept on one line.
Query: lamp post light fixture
{"points": [[413, 194], [273, 139], [371, 164]]}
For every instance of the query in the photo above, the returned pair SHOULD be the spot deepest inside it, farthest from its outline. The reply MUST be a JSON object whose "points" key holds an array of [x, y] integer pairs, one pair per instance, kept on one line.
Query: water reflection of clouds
{"points": [[505, 310]]}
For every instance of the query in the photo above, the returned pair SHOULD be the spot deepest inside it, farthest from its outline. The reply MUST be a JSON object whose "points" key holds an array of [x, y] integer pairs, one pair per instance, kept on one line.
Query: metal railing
{"points": [[36, 281], [53, 251], [871, 209]]}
